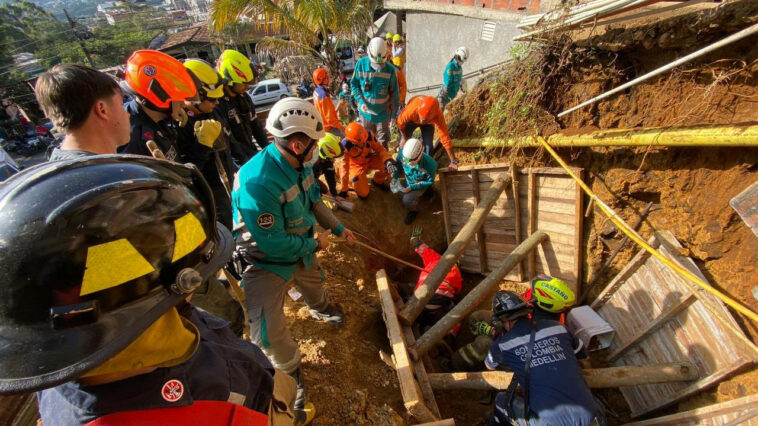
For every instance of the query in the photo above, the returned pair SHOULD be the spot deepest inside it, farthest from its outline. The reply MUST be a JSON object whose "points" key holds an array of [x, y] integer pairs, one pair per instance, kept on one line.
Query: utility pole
{"points": [[79, 38]]}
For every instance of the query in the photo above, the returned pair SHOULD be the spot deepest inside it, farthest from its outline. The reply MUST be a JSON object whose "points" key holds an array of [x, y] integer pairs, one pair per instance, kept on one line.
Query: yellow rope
{"points": [[642, 243]]}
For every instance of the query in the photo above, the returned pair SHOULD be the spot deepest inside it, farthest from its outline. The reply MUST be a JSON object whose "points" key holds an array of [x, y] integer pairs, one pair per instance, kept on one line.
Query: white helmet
{"points": [[293, 115], [377, 50], [412, 150], [462, 53]]}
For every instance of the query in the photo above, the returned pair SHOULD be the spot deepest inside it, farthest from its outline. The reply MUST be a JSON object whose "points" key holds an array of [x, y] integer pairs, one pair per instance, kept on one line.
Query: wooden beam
{"points": [[446, 422], [517, 217], [578, 235], [480, 232], [651, 327], [414, 401], [445, 207], [704, 414], [532, 225], [420, 371], [597, 378], [425, 291], [475, 296], [625, 273]]}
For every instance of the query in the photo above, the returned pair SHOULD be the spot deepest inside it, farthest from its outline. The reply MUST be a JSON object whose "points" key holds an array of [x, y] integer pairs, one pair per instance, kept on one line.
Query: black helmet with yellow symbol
{"points": [[92, 252]]}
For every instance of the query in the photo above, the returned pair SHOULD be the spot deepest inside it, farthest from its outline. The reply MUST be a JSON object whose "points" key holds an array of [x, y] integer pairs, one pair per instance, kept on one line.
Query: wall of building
{"points": [[432, 38]]}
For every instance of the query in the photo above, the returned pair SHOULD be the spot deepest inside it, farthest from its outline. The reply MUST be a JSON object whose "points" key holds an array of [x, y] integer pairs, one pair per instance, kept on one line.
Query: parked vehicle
{"points": [[305, 89], [345, 56], [268, 91], [8, 166]]}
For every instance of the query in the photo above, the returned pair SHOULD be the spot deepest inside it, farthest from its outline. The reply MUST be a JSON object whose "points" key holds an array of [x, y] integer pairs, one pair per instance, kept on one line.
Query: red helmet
{"points": [[320, 76], [356, 133], [428, 108], [158, 78]]}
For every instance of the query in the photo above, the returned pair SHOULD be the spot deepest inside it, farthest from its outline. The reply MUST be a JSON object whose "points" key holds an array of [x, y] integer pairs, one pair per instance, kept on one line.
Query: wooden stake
{"points": [[480, 232], [379, 252], [597, 378], [519, 231], [425, 291], [414, 401], [475, 296]]}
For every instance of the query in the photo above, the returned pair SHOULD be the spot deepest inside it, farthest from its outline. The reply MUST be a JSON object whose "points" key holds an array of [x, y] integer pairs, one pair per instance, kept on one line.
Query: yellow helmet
{"points": [[397, 37], [235, 67], [329, 146], [207, 80], [388, 36], [552, 294]]}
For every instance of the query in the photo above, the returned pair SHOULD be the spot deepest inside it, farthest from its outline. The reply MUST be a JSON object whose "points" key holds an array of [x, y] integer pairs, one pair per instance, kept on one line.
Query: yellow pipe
{"points": [[741, 135], [619, 222]]}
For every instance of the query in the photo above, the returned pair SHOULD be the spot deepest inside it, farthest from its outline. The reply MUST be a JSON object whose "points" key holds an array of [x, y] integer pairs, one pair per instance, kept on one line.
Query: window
{"points": [[259, 90], [488, 31], [272, 87]]}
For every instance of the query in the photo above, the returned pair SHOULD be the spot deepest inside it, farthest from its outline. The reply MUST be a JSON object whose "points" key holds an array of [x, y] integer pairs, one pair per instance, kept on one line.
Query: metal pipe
{"points": [[753, 29], [730, 135]]}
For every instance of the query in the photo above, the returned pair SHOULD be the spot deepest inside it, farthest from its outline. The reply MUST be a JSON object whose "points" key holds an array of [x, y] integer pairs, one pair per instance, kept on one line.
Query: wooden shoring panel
{"points": [[658, 319], [412, 395], [541, 198], [742, 411]]}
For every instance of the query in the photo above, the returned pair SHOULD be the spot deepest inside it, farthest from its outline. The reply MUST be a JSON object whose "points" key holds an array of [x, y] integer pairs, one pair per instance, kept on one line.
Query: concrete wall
{"points": [[432, 38]]}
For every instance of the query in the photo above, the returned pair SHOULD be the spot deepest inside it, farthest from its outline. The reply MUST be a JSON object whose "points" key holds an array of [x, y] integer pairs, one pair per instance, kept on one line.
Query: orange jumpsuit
{"points": [[358, 161], [401, 84], [408, 121], [322, 99]]}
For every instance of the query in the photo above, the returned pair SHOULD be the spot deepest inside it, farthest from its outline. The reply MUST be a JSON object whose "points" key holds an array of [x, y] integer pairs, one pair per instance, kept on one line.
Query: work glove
{"points": [[391, 167], [364, 109], [481, 328], [180, 115], [207, 131]]}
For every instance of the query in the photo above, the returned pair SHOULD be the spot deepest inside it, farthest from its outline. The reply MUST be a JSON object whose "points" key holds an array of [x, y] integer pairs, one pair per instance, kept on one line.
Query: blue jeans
{"points": [[519, 416]]}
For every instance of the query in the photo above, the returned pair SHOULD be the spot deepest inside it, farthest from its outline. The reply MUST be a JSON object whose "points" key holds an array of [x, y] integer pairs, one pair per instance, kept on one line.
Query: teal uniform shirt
{"points": [[421, 175], [377, 89], [452, 78], [275, 202]]}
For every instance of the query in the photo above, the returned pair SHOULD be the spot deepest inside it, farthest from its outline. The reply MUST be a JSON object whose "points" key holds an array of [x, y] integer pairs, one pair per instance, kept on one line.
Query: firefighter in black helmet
{"points": [[97, 257]]}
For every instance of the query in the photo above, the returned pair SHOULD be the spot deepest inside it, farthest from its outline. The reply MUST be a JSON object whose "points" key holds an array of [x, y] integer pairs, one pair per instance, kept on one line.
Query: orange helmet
{"points": [[428, 108], [158, 78], [320, 76], [356, 133]]}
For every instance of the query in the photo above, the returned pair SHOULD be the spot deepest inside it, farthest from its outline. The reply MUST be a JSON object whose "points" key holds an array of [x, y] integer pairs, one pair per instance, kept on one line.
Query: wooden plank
{"points": [[445, 207], [476, 166], [564, 182], [517, 210], [532, 224], [578, 234], [619, 279], [409, 389], [562, 218], [423, 380], [480, 233]]}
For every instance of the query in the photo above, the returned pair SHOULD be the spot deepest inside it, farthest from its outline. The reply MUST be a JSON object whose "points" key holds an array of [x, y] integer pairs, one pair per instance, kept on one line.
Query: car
{"points": [[268, 91]]}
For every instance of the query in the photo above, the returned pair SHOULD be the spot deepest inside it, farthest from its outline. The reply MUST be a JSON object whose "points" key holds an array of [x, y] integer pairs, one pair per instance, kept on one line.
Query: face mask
{"points": [[376, 66], [312, 161]]}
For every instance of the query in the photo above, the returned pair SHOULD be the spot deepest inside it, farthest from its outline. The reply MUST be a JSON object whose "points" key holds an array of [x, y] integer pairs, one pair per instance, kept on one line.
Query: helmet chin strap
{"points": [[300, 157]]}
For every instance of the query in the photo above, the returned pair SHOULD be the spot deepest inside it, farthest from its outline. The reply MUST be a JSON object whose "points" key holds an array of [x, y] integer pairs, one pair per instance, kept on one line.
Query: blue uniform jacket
{"points": [[224, 368], [276, 204], [143, 129], [452, 78], [421, 175], [377, 89]]}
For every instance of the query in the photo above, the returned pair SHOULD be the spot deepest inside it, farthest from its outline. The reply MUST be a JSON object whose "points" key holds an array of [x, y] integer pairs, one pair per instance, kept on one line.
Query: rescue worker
{"points": [[398, 51], [388, 44], [424, 112], [452, 77], [402, 85], [346, 107], [86, 104], [277, 199], [375, 90], [197, 140], [540, 352], [159, 84], [363, 154], [329, 149], [322, 99], [237, 72], [95, 316], [420, 170]]}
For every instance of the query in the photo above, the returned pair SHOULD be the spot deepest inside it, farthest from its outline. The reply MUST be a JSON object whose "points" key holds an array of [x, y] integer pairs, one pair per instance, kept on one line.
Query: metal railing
{"points": [[465, 76]]}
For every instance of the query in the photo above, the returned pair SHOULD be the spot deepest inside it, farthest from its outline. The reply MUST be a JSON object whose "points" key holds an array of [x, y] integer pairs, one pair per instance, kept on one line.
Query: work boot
{"points": [[304, 411], [383, 186], [331, 314], [410, 217]]}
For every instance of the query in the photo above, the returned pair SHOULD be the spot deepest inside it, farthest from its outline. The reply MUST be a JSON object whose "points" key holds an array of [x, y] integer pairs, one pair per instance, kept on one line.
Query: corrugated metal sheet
{"points": [[657, 320], [557, 210], [746, 205]]}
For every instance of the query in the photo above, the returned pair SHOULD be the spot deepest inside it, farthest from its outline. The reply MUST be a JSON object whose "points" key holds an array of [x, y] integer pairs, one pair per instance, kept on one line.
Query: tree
{"points": [[312, 25]]}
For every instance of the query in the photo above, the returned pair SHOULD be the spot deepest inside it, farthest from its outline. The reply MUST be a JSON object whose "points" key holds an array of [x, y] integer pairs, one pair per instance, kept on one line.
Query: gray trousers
{"points": [[380, 130], [265, 292], [411, 199]]}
